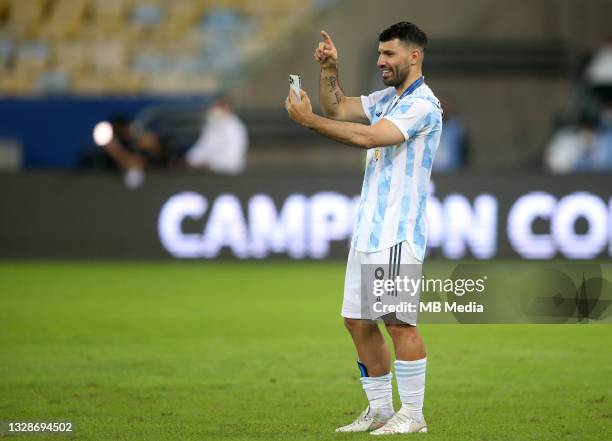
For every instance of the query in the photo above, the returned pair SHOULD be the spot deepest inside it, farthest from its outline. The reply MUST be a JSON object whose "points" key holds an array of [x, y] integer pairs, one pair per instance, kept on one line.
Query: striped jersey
{"points": [[395, 184]]}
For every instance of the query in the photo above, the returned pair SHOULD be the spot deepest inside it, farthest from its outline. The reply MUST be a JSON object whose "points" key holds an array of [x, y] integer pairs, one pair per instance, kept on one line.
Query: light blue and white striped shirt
{"points": [[395, 185]]}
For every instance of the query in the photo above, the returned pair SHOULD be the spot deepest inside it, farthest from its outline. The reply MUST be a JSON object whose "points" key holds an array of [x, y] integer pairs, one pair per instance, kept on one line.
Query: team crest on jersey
{"points": [[377, 154]]}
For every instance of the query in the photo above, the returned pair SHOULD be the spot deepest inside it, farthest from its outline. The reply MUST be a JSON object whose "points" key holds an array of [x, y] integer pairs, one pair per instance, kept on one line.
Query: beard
{"points": [[397, 78]]}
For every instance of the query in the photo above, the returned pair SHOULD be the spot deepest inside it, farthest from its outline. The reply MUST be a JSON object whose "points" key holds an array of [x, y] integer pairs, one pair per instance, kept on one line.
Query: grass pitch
{"points": [[243, 351]]}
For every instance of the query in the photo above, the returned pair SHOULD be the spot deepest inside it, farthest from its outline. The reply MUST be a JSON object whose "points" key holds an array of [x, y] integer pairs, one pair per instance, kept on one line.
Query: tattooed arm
{"points": [[333, 102]]}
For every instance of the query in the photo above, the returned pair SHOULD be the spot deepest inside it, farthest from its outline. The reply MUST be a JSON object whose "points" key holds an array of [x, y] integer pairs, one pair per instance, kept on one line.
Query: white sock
{"points": [[380, 393], [411, 385]]}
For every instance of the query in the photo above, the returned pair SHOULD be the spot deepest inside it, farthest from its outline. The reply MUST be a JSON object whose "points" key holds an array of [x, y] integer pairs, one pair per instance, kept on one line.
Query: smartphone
{"points": [[295, 84]]}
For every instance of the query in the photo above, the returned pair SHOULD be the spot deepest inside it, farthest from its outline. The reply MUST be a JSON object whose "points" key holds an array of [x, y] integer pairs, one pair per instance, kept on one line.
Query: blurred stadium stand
{"points": [[135, 46]]}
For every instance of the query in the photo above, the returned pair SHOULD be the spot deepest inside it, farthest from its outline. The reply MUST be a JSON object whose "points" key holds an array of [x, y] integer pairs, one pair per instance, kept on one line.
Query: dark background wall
{"points": [[47, 215]]}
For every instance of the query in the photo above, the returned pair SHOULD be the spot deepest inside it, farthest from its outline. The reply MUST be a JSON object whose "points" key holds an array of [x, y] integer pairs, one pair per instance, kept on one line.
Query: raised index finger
{"points": [[327, 38]]}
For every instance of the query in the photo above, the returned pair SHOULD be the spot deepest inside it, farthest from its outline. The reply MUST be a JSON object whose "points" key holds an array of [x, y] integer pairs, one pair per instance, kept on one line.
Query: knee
{"points": [[402, 332], [359, 327]]}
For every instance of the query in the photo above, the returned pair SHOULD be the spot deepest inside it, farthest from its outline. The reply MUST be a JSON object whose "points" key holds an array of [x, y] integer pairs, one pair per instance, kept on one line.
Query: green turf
{"points": [[258, 351]]}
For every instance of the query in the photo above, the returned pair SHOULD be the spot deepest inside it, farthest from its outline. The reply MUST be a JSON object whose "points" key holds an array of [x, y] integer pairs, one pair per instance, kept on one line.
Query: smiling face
{"points": [[396, 61]]}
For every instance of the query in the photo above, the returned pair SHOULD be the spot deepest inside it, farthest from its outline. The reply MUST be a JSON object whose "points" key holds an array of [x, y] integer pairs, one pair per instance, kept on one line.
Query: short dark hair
{"points": [[406, 32]]}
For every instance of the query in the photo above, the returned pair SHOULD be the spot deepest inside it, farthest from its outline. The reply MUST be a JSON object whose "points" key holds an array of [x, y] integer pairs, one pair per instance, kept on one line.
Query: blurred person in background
{"points": [[587, 146], [452, 154], [577, 148], [223, 141], [127, 148]]}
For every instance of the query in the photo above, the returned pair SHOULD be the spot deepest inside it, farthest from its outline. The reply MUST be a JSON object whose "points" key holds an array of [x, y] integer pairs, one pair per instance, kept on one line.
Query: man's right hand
{"points": [[326, 53]]}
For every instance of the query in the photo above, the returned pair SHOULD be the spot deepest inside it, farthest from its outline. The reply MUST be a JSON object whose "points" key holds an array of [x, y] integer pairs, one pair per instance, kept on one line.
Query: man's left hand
{"points": [[299, 111]]}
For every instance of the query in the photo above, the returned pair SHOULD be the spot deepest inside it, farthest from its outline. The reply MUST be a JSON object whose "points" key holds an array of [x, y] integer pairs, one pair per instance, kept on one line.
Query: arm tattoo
{"points": [[333, 88], [332, 83]]}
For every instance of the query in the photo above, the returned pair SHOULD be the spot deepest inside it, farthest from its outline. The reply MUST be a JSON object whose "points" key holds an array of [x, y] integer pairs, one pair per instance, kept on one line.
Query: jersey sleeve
{"points": [[411, 116], [369, 102]]}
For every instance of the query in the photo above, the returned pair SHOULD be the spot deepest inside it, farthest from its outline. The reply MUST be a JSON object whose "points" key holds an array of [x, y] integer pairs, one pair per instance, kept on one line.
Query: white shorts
{"points": [[401, 253]]}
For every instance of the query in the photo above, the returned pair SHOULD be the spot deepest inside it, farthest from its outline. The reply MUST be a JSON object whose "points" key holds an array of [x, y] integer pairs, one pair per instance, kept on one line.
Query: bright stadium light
{"points": [[103, 133]]}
